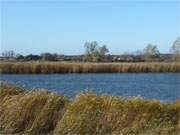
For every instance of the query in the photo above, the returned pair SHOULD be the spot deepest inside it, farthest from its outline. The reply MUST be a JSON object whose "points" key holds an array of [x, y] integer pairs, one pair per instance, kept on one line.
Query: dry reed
{"points": [[62, 67], [42, 112], [108, 115], [26, 112]]}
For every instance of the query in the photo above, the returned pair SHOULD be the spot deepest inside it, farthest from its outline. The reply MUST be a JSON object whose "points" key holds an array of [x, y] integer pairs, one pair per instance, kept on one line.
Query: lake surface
{"points": [[162, 86]]}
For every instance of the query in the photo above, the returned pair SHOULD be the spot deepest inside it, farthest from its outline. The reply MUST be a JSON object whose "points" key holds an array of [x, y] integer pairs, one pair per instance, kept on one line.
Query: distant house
{"points": [[139, 58], [1, 58], [60, 57], [73, 57], [123, 58], [107, 58], [166, 57], [7, 58]]}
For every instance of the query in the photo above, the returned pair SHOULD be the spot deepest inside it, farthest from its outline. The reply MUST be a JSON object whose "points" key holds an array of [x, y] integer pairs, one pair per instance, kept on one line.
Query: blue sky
{"points": [[64, 26]]}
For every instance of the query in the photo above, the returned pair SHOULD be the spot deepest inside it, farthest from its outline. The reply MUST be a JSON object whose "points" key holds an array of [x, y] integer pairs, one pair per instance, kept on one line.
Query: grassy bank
{"points": [[62, 67], [43, 112]]}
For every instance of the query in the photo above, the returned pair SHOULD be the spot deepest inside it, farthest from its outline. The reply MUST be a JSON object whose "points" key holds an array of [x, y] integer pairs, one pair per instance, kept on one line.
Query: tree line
{"points": [[97, 53]]}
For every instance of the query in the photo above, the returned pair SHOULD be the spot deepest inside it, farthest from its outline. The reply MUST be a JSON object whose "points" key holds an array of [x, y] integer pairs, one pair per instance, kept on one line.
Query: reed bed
{"points": [[33, 112], [65, 67], [107, 115], [42, 112]]}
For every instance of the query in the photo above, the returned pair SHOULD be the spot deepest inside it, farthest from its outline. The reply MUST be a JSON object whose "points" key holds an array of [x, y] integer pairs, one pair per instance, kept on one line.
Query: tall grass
{"points": [[34, 111], [43, 112], [102, 114], [62, 67]]}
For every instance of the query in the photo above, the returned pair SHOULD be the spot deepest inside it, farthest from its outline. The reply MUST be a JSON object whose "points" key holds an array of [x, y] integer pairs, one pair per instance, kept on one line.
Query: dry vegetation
{"points": [[36, 111], [65, 67], [43, 112]]}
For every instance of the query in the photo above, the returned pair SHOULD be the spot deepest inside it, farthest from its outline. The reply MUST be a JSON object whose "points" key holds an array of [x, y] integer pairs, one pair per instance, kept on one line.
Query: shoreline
{"points": [[76, 67]]}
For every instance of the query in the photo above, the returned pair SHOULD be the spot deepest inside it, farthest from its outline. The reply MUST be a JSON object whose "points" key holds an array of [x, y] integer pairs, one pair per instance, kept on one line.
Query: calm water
{"points": [[163, 86]]}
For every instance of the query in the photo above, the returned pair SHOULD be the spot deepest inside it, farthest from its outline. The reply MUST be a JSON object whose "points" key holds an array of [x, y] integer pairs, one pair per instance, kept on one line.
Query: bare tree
{"points": [[8, 54], [103, 51], [94, 52], [150, 52], [175, 49], [91, 47]]}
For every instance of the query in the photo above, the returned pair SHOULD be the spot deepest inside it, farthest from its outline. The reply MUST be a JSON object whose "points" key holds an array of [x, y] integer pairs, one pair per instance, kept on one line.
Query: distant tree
{"points": [[95, 53], [103, 51], [32, 57], [175, 49], [91, 49], [8, 54], [150, 52], [19, 56]]}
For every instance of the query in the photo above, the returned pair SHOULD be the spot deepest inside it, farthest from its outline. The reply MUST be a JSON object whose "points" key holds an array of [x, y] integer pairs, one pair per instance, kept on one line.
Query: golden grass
{"points": [[34, 111], [101, 114], [43, 112], [65, 67]]}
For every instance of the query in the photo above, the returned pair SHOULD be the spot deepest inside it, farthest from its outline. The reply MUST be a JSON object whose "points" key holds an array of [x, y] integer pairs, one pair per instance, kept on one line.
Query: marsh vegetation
{"points": [[66, 67], [43, 112]]}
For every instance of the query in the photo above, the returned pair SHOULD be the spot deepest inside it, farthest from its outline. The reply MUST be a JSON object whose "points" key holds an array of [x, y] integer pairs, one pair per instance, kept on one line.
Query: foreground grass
{"points": [[43, 112], [62, 67], [36, 111]]}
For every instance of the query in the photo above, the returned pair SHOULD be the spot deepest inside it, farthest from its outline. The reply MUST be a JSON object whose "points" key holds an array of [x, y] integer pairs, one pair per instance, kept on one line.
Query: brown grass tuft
{"points": [[102, 114], [34, 111]]}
